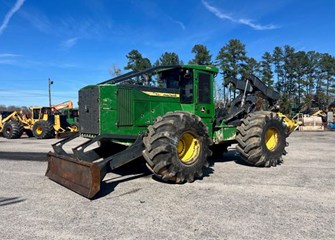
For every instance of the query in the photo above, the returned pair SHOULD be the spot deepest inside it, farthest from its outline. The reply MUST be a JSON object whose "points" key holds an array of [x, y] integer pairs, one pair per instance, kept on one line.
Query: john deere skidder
{"points": [[170, 120]]}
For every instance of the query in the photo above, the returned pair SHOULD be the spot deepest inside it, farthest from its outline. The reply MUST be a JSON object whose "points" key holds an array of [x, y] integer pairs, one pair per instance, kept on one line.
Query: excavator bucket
{"points": [[80, 176]]}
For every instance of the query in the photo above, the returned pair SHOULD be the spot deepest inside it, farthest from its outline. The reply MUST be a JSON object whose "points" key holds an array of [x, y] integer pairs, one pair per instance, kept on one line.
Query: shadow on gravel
{"points": [[8, 201], [23, 156], [108, 186], [128, 172], [138, 169], [231, 155]]}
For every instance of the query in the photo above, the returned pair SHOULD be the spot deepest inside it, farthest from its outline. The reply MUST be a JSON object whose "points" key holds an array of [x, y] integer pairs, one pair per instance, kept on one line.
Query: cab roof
{"points": [[212, 69]]}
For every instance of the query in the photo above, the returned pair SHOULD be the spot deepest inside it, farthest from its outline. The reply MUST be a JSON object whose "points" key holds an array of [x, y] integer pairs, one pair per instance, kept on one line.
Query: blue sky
{"points": [[76, 42]]}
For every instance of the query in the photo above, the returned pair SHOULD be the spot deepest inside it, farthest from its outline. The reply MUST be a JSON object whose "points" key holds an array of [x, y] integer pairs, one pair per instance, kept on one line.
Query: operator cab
{"points": [[193, 85]]}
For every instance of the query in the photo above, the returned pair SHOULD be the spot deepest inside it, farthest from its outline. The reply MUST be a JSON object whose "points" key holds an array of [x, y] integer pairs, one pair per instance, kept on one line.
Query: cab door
{"points": [[204, 99]]}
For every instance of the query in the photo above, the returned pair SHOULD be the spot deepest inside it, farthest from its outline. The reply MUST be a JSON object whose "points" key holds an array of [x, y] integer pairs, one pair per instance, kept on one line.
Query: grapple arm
{"points": [[252, 91]]}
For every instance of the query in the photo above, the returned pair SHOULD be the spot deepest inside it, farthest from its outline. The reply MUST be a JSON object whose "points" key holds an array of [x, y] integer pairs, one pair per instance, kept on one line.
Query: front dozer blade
{"points": [[83, 171], [79, 176]]}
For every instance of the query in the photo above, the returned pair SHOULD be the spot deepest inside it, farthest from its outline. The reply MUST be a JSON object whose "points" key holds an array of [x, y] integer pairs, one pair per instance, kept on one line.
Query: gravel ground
{"points": [[233, 201]]}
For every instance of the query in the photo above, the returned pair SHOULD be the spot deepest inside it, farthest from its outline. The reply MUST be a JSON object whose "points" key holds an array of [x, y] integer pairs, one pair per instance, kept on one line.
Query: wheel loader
{"points": [[167, 115]]}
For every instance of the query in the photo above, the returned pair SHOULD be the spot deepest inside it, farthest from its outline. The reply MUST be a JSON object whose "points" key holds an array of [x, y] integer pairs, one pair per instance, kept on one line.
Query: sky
{"points": [[76, 42]]}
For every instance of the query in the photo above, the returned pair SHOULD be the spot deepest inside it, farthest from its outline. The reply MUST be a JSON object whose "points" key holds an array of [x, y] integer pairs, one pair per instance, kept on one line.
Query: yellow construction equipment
{"points": [[41, 122], [67, 104], [13, 125], [291, 124]]}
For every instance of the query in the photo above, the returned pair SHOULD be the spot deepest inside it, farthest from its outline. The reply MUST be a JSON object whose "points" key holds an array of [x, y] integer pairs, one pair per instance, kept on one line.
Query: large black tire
{"points": [[177, 147], [262, 139], [43, 130], [12, 130]]}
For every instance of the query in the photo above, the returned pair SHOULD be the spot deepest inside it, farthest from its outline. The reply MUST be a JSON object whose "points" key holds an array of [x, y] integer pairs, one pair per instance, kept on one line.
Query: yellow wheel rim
{"points": [[74, 128], [39, 130], [271, 139], [188, 148]]}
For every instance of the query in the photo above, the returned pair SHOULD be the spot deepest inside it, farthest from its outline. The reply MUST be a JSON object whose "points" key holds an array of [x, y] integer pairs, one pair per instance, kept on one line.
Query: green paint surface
{"points": [[128, 111]]}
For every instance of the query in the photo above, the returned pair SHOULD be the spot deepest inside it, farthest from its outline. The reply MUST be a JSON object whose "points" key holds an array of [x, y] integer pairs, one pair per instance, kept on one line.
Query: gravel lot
{"points": [[233, 201]]}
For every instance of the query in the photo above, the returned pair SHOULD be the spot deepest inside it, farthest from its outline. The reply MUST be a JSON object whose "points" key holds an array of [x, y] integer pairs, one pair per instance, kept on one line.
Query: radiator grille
{"points": [[124, 105]]}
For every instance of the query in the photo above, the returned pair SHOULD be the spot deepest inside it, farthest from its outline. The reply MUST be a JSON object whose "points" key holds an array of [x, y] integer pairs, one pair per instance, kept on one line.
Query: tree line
{"points": [[303, 79], [12, 108]]}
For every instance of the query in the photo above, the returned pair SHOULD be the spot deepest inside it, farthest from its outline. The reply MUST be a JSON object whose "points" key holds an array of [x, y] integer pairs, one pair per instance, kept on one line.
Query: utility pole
{"points": [[50, 83]]}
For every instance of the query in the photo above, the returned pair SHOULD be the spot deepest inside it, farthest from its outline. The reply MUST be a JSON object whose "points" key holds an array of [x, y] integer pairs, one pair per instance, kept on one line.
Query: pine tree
{"points": [[278, 61], [266, 73], [136, 62], [202, 55], [168, 58], [231, 58]]}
